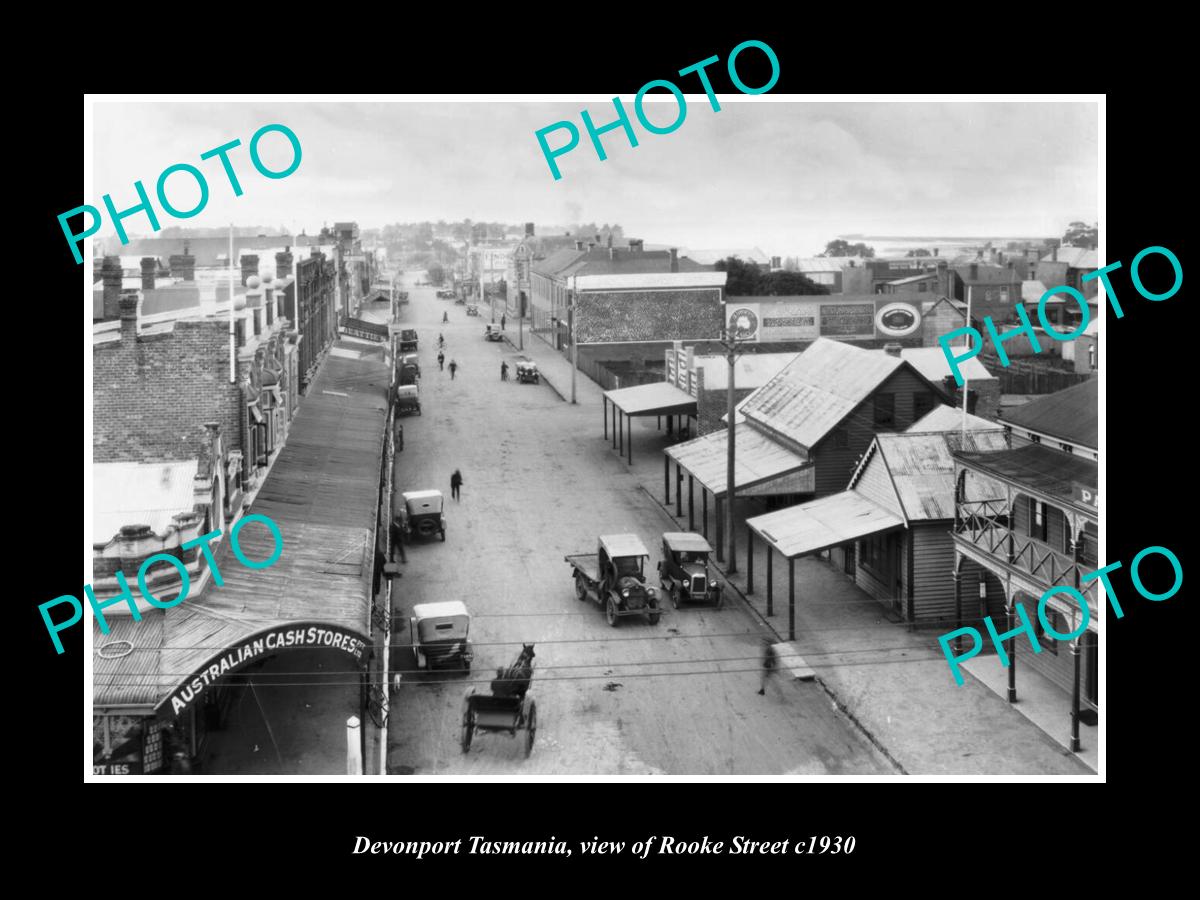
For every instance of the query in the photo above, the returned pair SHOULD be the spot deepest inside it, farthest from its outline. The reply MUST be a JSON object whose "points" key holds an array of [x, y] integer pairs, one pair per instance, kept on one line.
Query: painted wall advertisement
{"points": [[843, 317]]}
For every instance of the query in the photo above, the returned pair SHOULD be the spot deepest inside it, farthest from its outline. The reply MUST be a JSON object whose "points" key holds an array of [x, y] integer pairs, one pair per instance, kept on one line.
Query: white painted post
{"points": [[354, 762]]}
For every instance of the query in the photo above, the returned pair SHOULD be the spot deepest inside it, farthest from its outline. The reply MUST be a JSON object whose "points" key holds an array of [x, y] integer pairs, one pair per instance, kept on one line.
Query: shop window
{"points": [[885, 411], [1037, 519]]}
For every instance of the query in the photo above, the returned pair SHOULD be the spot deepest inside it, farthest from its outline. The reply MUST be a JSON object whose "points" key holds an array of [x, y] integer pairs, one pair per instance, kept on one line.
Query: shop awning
{"points": [[757, 461], [824, 523], [657, 399]]}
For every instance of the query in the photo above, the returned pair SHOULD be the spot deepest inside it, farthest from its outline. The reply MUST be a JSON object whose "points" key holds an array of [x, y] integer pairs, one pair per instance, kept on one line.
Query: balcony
{"points": [[982, 527]]}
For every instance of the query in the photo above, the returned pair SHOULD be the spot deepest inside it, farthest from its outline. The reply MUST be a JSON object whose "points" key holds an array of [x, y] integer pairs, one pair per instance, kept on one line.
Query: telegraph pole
{"points": [[571, 332], [733, 349]]}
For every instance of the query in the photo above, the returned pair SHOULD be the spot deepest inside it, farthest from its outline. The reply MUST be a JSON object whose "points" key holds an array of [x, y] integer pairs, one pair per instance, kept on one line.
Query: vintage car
{"points": [[615, 578], [472, 310], [527, 370], [492, 332], [407, 400], [420, 513], [684, 572], [410, 359], [408, 339], [445, 295], [438, 632]]}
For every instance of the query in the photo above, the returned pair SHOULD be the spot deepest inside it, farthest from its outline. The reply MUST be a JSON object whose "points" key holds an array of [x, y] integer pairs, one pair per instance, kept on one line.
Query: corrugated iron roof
{"points": [[656, 398], [945, 418], [922, 468], [1075, 257], [931, 362], [813, 394], [125, 662], [827, 263], [1071, 415], [134, 493], [819, 524], [618, 545], [1036, 466], [757, 459]]}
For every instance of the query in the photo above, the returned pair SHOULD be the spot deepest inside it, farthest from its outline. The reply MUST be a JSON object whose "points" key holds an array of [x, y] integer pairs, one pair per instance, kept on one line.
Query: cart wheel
{"points": [[610, 612], [468, 729], [580, 590], [675, 596], [531, 728]]}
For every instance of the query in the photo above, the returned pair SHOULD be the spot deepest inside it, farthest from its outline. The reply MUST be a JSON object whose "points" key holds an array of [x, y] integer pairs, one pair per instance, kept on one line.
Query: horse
{"points": [[514, 681]]}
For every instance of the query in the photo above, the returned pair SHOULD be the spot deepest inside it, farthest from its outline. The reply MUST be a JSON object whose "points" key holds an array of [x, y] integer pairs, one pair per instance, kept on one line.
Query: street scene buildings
{"points": [[559, 498]]}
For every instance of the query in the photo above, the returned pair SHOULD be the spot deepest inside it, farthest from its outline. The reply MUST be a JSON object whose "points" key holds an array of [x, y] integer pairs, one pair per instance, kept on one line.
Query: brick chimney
{"points": [[528, 229], [776, 262], [129, 317], [149, 270], [892, 349], [674, 259], [249, 266], [112, 275], [283, 263], [183, 265]]}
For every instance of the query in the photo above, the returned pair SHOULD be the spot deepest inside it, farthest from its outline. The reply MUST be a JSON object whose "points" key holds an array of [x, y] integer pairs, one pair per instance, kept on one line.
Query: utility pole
{"points": [[571, 332], [732, 344], [966, 381]]}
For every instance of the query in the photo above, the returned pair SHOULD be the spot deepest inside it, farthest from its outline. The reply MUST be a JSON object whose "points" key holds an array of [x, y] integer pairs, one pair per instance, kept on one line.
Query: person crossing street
{"points": [[453, 369], [503, 371], [441, 361]]}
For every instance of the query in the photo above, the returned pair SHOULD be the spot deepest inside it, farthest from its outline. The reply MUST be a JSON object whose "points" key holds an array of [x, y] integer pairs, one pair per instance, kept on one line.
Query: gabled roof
{"points": [[557, 261], [931, 362], [945, 418], [812, 395], [921, 468], [1070, 416], [827, 263]]}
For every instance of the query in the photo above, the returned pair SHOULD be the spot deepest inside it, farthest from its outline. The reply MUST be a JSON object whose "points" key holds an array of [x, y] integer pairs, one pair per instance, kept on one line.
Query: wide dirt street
{"points": [[676, 698]]}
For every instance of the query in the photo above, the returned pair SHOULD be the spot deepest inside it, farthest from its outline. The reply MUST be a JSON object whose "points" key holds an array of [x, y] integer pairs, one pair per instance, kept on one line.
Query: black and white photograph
{"points": [[521, 437]]}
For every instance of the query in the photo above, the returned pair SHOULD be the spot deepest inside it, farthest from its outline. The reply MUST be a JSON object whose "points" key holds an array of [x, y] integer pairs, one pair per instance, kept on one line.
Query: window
{"points": [[1058, 622], [885, 410], [841, 439], [1037, 519], [922, 287]]}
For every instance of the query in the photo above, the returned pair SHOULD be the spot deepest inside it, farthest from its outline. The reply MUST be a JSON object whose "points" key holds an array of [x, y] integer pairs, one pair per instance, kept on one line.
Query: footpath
{"points": [[892, 682]]}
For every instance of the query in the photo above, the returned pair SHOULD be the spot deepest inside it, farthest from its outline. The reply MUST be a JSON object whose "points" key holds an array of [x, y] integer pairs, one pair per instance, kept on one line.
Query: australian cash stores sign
{"points": [[291, 636], [841, 317]]}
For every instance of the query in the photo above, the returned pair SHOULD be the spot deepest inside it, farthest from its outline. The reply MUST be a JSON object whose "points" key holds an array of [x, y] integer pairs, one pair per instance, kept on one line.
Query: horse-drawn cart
{"points": [[509, 707]]}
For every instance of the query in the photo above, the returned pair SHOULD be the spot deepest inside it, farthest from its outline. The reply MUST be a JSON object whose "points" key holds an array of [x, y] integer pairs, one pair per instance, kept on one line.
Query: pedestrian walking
{"points": [[503, 319], [770, 663], [445, 316], [441, 361], [453, 369], [456, 481], [503, 371]]}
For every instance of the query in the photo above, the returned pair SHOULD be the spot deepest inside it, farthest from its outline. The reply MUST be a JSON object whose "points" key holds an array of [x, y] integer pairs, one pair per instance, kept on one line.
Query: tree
{"points": [[920, 251], [840, 247], [746, 279], [436, 273]]}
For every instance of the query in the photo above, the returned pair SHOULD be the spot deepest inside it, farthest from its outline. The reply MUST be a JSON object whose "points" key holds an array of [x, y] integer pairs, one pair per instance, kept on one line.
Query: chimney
{"points": [[579, 245], [528, 229], [891, 349], [1000, 258], [1011, 264], [283, 263], [149, 269], [249, 266], [183, 265], [974, 271], [636, 244], [112, 275], [776, 262], [591, 246], [674, 259], [129, 316]]}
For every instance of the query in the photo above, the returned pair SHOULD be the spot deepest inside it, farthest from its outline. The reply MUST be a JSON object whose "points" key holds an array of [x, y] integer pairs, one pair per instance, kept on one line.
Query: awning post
{"points": [[1012, 656], [749, 560], [621, 435], [678, 490], [958, 615], [691, 504], [791, 599], [770, 579], [666, 479], [720, 533], [704, 510], [1075, 654], [630, 441], [605, 417]]}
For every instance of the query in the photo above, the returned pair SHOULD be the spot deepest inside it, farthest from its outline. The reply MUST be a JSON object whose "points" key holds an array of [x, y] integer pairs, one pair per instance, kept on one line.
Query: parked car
{"points": [[472, 310], [492, 332], [421, 513], [684, 572], [527, 370], [438, 633], [408, 339], [407, 400], [615, 578]]}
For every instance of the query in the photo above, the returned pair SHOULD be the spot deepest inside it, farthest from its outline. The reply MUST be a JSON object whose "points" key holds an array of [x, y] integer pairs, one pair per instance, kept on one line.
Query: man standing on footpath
{"points": [[503, 319], [456, 481], [453, 369], [441, 361]]}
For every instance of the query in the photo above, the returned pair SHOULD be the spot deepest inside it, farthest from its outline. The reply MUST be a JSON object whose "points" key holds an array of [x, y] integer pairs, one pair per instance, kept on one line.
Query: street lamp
{"points": [[733, 342]]}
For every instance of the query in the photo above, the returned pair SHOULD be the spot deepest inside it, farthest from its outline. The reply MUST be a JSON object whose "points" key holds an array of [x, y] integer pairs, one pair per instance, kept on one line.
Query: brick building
{"points": [[314, 310]]}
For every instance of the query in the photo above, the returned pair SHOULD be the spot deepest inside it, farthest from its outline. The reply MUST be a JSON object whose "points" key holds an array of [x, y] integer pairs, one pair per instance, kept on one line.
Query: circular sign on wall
{"points": [[897, 319], [743, 323]]}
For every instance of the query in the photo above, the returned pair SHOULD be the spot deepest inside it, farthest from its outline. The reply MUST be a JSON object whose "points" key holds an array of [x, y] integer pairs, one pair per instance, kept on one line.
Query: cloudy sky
{"points": [[783, 176]]}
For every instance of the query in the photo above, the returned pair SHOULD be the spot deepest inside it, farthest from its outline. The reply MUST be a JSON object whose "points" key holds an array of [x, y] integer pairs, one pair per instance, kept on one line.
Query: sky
{"points": [[764, 171]]}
